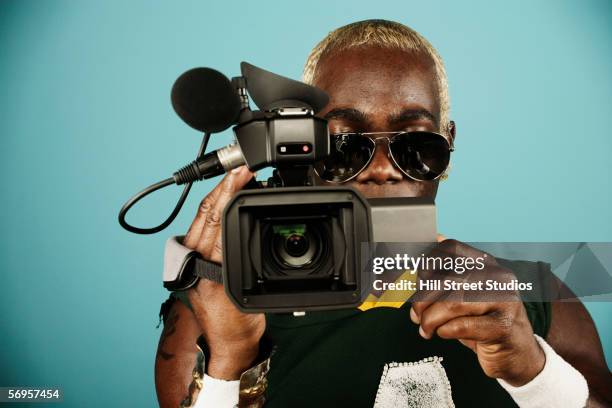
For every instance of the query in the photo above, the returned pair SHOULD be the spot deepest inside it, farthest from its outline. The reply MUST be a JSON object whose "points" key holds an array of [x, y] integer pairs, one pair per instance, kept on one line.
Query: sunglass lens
{"points": [[422, 155], [349, 154]]}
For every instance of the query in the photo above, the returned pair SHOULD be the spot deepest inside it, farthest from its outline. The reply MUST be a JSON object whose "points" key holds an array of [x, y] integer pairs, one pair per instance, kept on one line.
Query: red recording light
{"points": [[305, 148]]}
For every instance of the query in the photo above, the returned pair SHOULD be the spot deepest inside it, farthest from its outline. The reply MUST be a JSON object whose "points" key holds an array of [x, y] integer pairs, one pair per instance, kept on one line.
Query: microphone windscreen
{"points": [[206, 100]]}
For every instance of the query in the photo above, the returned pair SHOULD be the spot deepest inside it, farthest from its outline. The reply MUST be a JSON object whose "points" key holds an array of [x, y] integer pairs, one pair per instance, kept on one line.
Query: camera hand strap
{"points": [[208, 270]]}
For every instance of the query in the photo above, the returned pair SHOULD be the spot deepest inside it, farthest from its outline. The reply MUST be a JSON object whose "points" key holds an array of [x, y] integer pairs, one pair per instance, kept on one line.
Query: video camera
{"points": [[288, 245]]}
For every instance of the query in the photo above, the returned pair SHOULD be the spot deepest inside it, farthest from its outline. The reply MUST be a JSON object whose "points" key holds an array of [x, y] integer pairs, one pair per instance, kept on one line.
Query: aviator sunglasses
{"points": [[422, 156]]}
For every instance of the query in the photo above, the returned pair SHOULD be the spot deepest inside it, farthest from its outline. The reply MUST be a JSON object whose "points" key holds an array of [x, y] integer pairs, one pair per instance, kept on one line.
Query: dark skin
{"points": [[373, 89]]}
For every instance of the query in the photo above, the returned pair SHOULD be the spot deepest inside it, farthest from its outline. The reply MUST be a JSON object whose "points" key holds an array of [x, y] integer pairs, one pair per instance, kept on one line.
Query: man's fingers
{"points": [[197, 226], [231, 184], [216, 253], [212, 225], [421, 300], [440, 313], [475, 328], [471, 344], [459, 249], [208, 203]]}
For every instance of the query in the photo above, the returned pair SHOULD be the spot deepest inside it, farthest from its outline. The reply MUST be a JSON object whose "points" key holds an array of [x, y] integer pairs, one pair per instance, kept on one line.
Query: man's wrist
{"points": [[220, 376], [531, 364], [557, 385], [232, 363]]}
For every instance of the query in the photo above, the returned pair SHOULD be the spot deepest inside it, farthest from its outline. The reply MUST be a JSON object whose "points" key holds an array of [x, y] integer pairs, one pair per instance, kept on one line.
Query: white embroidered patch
{"points": [[422, 384]]}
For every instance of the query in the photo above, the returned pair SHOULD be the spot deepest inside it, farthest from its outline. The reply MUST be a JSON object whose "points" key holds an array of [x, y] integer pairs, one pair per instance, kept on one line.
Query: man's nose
{"points": [[381, 169]]}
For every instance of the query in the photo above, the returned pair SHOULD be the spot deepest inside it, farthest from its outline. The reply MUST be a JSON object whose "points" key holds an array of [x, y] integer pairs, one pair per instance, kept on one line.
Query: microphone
{"points": [[209, 102], [206, 100]]}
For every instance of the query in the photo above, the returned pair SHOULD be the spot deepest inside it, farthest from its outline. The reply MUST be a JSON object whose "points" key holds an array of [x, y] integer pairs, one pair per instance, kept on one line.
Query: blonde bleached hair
{"points": [[386, 34]]}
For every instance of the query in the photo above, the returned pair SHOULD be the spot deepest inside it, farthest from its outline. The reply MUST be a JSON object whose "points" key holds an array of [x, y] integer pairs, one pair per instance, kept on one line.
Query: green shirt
{"points": [[353, 358]]}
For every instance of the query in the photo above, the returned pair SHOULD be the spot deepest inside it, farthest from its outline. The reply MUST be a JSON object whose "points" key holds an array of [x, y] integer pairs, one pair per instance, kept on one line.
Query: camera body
{"points": [[294, 248], [288, 245]]}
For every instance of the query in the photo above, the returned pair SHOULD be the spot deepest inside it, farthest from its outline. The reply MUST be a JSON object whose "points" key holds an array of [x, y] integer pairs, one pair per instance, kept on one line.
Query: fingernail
{"points": [[422, 333], [413, 316], [237, 170]]}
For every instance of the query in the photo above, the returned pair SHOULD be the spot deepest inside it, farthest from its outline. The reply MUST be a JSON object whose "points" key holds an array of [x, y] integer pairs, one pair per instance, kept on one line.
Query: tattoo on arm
{"points": [[169, 330]]}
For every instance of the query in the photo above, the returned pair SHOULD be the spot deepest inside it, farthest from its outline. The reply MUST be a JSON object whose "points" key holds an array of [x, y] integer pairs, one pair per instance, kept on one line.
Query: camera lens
{"points": [[296, 245]]}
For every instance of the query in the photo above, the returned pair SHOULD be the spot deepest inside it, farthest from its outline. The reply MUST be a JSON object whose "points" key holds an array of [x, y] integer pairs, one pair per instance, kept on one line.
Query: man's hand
{"points": [[232, 336], [499, 332]]}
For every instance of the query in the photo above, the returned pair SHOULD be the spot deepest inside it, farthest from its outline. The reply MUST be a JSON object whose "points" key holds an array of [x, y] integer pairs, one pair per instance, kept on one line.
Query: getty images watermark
{"points": [[530, 271]]}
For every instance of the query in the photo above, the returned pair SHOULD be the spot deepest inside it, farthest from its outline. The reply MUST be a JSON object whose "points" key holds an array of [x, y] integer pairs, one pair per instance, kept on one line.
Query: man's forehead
{"points": [[375, 80]]}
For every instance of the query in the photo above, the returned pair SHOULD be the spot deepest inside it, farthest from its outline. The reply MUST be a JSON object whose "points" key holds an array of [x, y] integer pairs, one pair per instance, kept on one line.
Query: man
{"points": [[381, 77]]}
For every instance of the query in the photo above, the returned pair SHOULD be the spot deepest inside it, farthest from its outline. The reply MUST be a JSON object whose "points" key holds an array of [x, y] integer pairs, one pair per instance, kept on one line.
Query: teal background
{"points": [[85, 122]]}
